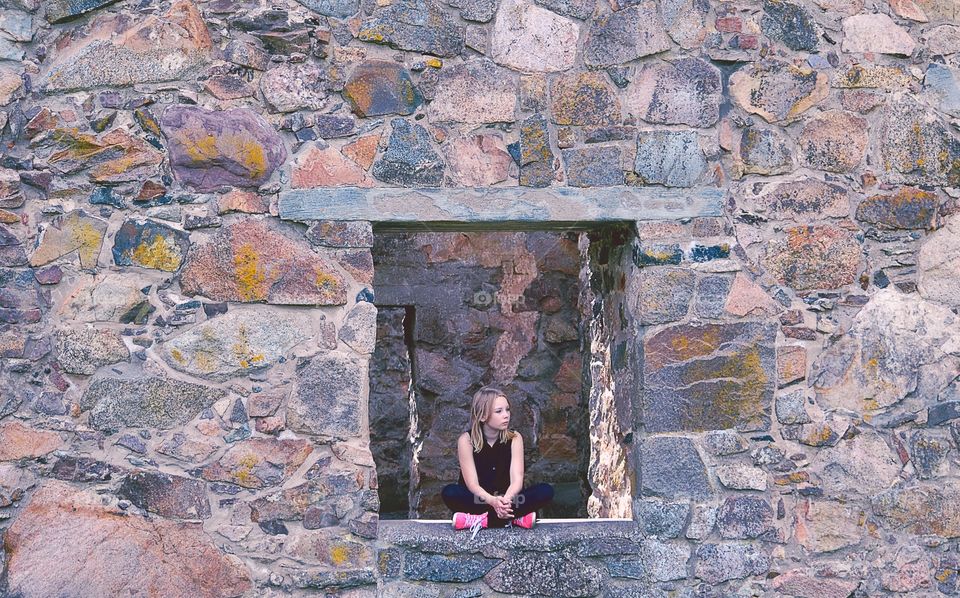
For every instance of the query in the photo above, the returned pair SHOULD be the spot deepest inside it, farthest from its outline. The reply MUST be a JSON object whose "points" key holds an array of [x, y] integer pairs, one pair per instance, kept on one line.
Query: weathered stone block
{"points": [[663, 294], [744, 517], [420, 26], [209, 149], [921, 509], [670, 158], [834, 141], [908, 208], [410, 159], [777, 91], [149, 50], [329, 396], [154, 402], [66, 542], [553, 574], [261, 261], [166, 495], [149, 244], [437, 567], [72, 232], [530, 39], [593, 167], [687, 91], [294, 86], [709, 377], [717, 563], [814, 257], [476, 91], [789, 23], [85, 350], [378, 87], [625, 35], [671, 467], [258, 462], [583, 99], [939, 265]]}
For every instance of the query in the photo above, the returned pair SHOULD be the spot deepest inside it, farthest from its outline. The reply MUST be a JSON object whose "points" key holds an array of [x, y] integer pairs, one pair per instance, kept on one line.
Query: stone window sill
{"points": [[438, 536]]}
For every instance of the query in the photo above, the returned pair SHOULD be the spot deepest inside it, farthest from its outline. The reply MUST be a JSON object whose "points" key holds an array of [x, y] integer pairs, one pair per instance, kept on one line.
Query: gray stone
{"points": [[661, 519], [328, 398], [665, 561], [943, 412], [166, 495], [943, 40], [578, 9], [17, 25], [938, 266], [529, 39], [797, 200], [686, 21], [789, 23], [625, 35], [294, 86], [339, 9], [746, 517], [777, 91], [324, 579], [742, 477], [709, 377], [792, 409], [928, 453], [717, 563], [671, 468], [478, 11], [915, 144], [359, 329], [895, 341], [58, 11], [438, 567], [687, 91], [663, 294], [940, 82], [593, 166], [670, 158], [10, 51], [107, 297], [154, 402], [711, 296], [409, 160], [721, 443], [340, 234], [237, 343], [628, 566], [475, 91], [702, 522], [765, 151], [921, 509], [551, 574], [85, 350], [417, 25]]}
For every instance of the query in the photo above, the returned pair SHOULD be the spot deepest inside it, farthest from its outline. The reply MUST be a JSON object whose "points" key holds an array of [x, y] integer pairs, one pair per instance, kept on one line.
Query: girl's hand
{"points": [[502, 506]]}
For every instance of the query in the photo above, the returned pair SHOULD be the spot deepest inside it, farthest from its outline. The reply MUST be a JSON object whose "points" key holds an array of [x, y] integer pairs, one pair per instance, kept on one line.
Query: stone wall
{"points": [[187, 287]]}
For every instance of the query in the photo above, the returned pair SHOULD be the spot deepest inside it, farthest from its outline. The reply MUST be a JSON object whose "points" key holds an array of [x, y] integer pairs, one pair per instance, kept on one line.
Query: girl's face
{"points": [[499, 418]]}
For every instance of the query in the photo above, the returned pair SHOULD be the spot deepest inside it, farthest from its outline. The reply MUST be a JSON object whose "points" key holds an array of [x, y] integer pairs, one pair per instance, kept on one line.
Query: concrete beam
{"points": [[498, 207]]}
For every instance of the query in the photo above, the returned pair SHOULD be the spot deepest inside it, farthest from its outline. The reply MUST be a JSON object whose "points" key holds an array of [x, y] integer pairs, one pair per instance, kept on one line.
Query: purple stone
{"points": [[48, 275]]}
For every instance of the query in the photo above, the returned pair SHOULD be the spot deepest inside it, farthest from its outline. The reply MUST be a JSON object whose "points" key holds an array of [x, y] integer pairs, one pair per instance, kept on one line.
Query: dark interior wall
{"points": [[498, 308]]}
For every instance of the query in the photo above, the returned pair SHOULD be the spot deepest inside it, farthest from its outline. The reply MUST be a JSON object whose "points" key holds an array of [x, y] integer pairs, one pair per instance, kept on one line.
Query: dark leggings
{"points": [[459, 499]]}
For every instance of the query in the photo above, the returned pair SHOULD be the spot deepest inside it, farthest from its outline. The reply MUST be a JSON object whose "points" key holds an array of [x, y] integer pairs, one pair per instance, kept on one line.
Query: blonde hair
{"points": [[480, 410]]}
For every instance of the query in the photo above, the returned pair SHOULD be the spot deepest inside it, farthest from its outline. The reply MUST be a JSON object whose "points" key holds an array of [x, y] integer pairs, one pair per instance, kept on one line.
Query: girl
{"points": [[491, 471]]}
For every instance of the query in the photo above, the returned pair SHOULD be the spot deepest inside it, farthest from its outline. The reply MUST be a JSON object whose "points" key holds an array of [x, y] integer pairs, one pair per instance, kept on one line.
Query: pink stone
{"points": [[876, 33], [18, 441], [327, 168], [800, 584], [791, 364], [477, 161], [68, 543], [261, 261], [748, 298], [247, 202], [908, 9], [909, 577]]}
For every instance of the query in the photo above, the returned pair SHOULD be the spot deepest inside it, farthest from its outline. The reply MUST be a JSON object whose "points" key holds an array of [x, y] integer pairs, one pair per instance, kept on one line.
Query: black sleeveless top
{"points": [[493, 466]]}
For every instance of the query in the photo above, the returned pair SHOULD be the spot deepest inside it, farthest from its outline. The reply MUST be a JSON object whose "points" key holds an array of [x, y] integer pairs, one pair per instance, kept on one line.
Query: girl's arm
{"points": [[516, 467], [468, 468]]}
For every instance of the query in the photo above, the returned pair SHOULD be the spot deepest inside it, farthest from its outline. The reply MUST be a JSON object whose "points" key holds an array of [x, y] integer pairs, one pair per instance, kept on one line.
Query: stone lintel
{"points": [[499, 208]]}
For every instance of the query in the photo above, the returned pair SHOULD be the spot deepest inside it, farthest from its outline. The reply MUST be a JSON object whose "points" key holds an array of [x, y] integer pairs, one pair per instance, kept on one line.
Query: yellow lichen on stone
{"points": [[248, 152], [325, 282], [251, 280], [339, 554], [87, 239], [202, 149], [177, 355], [244, 473], [158, 253]]}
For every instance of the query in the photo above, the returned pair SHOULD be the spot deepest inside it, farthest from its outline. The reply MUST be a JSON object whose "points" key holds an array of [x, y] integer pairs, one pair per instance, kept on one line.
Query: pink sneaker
{"points": [[470, 521], [526, 521]]}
